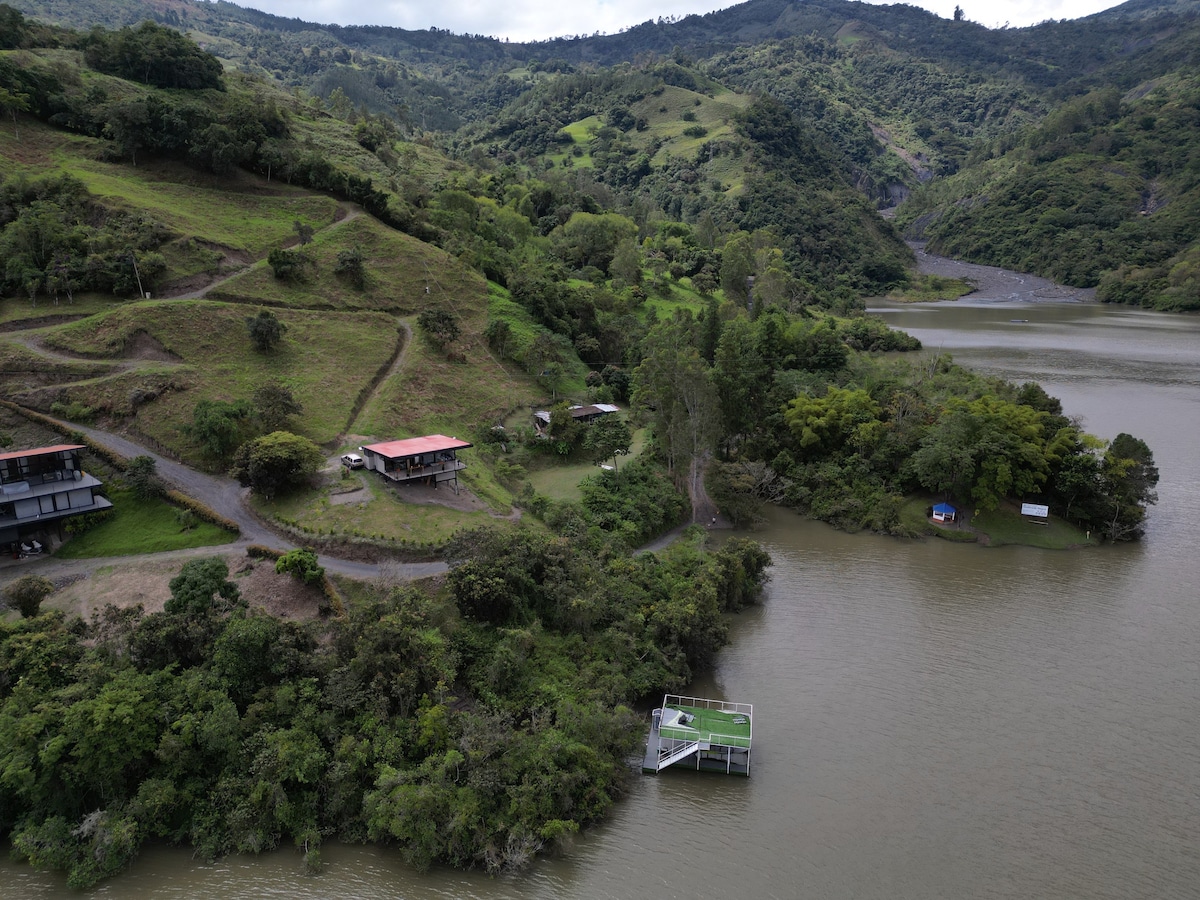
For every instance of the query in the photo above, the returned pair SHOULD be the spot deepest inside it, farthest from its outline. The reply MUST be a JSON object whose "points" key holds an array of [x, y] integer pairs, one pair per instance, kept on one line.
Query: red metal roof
{"points": [[40, 451], [431, 443]]}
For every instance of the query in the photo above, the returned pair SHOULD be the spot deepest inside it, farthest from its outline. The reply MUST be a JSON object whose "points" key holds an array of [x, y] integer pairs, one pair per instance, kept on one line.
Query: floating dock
{"points": [[697, 733]]}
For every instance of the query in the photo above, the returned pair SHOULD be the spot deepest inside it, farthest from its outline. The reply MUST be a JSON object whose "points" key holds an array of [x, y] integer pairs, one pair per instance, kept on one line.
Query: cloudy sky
{"points": [[529, 20]]}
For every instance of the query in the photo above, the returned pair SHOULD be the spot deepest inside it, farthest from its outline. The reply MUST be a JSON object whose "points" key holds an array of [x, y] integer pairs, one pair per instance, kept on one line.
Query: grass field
{"points": [[140, 526], [383, 512], [1007, 526], [995, 528], [215, 360], [399, 269], [560, 480]]}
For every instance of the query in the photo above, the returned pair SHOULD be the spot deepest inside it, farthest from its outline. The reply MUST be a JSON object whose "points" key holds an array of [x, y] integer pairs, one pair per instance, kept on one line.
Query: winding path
{"points": [[226, 497]]}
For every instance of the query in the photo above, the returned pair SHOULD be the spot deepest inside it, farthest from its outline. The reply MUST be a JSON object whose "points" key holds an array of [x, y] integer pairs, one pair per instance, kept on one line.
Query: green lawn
{"points": [[560, 480], [995, 528], [382, 513], [140, 526], [1008, 526]]}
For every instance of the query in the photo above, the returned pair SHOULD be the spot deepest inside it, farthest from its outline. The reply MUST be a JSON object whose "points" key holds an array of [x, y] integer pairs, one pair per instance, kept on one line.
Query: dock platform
{"points": [[702, 734]]}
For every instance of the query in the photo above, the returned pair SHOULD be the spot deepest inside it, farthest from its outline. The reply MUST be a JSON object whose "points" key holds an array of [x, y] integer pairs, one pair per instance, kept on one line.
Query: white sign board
{"points": [[1033, 509]]}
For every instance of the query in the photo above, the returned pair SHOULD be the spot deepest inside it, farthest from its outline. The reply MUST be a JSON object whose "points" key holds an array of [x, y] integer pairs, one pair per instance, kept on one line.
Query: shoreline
{"points": [[995, 283]]}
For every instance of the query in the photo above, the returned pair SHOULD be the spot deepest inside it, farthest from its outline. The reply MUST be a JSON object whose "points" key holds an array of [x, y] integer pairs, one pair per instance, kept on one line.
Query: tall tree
{"points": [[675, 386], [607, 438]]}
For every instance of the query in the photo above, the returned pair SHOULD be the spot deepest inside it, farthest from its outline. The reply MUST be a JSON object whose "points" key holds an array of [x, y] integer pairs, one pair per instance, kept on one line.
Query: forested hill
{"points": [[1098, 191]]}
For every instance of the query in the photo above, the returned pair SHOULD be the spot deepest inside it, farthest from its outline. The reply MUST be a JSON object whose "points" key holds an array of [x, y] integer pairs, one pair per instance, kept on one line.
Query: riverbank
{"points": [[993, 283]]}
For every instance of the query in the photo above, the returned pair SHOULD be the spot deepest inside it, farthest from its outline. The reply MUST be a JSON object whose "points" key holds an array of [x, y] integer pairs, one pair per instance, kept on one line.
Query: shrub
{"points": [[27, 593], [265, 330], [73, 411], [302, 564]]}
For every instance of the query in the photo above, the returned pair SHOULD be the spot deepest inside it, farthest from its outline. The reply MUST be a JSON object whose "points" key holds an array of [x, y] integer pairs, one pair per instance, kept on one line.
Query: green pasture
{"points": [[325, 358], [399, 268], [560, 480]]}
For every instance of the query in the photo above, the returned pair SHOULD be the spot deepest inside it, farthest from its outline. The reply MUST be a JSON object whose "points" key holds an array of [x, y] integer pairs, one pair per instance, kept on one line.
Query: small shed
{"points": [[583, 414], [944, 512]]}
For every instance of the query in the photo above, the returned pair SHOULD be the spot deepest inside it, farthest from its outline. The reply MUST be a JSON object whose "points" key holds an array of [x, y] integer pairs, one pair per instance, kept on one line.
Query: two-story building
{"points": [[41, 487]]}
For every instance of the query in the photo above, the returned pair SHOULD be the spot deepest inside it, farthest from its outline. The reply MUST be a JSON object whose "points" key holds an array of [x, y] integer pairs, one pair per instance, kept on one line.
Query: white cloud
{"points": [[530, 20]]}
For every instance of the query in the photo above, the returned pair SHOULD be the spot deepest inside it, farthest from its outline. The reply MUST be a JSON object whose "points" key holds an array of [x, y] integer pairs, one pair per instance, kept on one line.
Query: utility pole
{"points": [[137, 275]]}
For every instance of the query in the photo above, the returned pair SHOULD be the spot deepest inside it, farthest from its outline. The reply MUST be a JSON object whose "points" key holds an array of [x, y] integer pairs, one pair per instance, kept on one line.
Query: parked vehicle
{"points": [[353, 461]]}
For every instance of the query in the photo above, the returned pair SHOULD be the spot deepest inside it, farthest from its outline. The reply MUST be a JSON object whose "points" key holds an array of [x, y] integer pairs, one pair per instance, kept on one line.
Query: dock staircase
{"points": [[713, 735], [668, 756]]}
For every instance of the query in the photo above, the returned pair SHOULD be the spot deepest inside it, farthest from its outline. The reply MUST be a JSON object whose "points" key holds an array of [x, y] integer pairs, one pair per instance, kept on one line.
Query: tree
{"points": [[440, 326], [265, 330], [303, 231], [828, 424], [13, 102], [608, 437], [988, 449], [352, 265], [276, 462], [200, 587], [290, 265], [675, 385], [274, 404], [217, 425], [588, 239], [1129, 476], [142, 476], [626, 266], [958, 14], [27, 593]]}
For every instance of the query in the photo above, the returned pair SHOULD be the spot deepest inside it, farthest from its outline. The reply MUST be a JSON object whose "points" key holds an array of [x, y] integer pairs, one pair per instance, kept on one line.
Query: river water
{"points": [[932, 720]]}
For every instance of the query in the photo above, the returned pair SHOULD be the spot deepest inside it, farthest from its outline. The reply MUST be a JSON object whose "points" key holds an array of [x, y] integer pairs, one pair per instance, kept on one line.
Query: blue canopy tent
{"points": [[944, 512]]}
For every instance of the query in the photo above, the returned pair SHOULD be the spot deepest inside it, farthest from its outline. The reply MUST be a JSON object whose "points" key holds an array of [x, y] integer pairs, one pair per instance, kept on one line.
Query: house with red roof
{"points": [[432, 459]]}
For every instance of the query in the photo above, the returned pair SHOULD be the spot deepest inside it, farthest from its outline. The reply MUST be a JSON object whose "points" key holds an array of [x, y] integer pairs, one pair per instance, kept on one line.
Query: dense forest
{"points": [[473, 729], [683, 218]]}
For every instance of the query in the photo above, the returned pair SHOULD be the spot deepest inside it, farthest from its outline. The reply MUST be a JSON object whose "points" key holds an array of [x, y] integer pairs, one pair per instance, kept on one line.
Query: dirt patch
{"points": [[280, 595], [358, 495], [148, 583], [123, 586], [40, 322], [464, 500], [143, 345]]}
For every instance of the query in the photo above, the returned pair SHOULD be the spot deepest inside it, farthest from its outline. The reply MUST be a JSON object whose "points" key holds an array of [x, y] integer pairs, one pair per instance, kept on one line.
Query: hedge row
{"points": [[321, 536], [112, 457], [258, 551], [120, 462], [203, 512]]}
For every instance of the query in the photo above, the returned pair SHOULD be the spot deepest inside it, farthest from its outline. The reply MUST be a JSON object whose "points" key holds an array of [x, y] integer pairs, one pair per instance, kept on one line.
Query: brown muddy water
{"points": [[933, 720]]}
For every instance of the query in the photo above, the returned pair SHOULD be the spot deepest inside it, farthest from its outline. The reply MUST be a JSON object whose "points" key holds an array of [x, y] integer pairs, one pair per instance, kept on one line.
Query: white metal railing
{"points": [[668, 756], [728, 706]]}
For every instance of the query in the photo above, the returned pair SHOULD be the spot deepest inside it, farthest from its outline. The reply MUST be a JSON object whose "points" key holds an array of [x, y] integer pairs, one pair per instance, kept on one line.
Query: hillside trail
{"points": [[349, 212], [704, 510], [381, 378]]}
